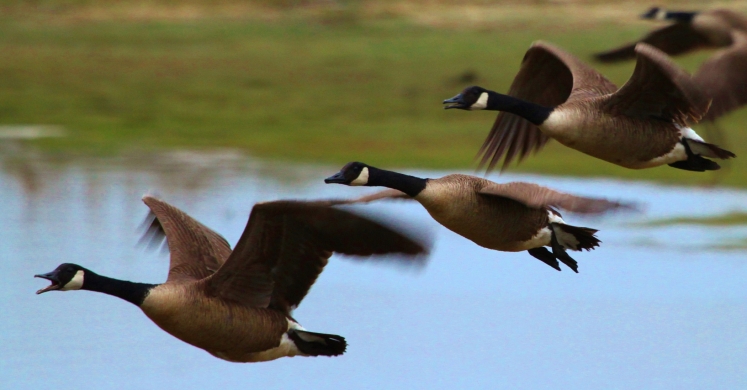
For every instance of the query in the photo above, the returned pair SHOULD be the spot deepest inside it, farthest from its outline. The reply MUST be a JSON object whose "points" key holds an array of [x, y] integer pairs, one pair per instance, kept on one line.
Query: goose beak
{"points": [[337, 178], [455, 102], [52, 277]]}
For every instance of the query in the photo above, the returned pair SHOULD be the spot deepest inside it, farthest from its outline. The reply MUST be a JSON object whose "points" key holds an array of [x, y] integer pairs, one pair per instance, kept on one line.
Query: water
{"points": [[654, 307]]}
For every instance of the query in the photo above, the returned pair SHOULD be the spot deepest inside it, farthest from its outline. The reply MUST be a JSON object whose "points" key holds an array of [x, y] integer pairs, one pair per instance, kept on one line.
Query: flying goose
{"points": [[644, 124], [688, 31], [237, 304], [723, 77], [510, 217]]}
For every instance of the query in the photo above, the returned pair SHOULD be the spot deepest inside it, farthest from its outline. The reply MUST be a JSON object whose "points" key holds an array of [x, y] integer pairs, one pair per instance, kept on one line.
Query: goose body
{"points": [[197, 319], [643, 124], [722, 77], [521, 227], [588, 129], [508, 217], [688, 31], [237, 304]]}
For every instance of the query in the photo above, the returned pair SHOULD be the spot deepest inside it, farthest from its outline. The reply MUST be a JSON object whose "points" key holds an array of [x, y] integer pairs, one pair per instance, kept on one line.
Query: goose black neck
{"points": [[410, 185], [129, 291], [532, 112], [680, 17]]}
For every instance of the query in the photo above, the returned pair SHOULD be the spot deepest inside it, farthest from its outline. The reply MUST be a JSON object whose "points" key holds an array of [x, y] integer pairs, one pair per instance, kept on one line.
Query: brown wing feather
{"points": [[385, 194], [536, 196], [658, 89], [548, 76], [196, 250], [731, 19], [674, 39], [723, 77], [286, 245]]}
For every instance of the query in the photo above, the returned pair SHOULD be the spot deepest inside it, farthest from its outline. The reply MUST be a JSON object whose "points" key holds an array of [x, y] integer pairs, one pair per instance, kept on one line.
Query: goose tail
{"points": [[708, 150], [318, 344], [697, 151], [565, 237], [573, 237]]}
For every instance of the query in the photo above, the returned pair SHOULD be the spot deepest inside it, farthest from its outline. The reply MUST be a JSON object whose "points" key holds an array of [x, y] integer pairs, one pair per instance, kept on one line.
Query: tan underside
{"points": [[491, 222], [631, 143], [228, 331]]}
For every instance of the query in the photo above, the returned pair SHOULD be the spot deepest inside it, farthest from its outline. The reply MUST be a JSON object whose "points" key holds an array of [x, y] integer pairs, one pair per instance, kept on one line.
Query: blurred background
{"points": [[217, 105]]}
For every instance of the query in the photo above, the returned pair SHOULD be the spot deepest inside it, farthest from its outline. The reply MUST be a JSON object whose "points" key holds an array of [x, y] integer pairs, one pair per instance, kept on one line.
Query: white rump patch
{"points": [[287, 347], [75, 283], [697, 147], [543, 236], [481, 103], [362, 178], [565, 239], [678, 152], [689, 133]]}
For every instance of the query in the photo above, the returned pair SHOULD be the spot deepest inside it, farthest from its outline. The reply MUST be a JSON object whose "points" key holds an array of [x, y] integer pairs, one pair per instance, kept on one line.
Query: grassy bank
{"points": [[332, 88]]}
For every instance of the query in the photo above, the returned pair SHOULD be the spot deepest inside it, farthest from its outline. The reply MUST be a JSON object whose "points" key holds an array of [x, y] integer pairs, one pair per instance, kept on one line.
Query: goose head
{"points": [[65, 277], [655, 13], [352, 174], [471, 98]]}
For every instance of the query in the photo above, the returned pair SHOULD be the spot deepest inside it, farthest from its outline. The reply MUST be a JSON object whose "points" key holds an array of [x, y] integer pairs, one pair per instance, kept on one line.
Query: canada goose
{"points": [[510, 217], [644, 124], [723, 78], [689, 31], [236, 304]]}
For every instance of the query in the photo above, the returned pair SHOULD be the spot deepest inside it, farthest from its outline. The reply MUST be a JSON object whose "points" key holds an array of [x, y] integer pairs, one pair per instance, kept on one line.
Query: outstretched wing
{"points": [[658, 89], [723, 77], [536, 196], [548, 76], [196, 250], [385, 194], [286, 245], [674, 39]]}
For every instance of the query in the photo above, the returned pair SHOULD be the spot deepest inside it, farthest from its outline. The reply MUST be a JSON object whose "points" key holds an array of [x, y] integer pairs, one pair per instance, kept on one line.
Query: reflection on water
{"points": [[655, 307]]}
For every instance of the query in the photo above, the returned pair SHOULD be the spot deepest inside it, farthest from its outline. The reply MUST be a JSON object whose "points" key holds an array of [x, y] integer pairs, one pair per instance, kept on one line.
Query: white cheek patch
{"points": [[481, 103], [362, 178], [661, 15], [75, 283]]}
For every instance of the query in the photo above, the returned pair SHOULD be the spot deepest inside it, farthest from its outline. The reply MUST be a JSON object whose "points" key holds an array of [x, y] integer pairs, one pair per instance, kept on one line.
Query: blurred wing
{"points": [[658, 89], [196, 250], [674, 39], [723, 77], [286, 244], [548, 76], [536, 196], [385, 194]]}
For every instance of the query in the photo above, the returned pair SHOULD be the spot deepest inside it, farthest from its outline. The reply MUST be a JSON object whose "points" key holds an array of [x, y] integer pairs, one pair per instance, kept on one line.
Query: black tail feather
{"points": [[561, 254], [696, 162], [581, 238], [318, 344], [708, 150], [544, 255], [585, 236]]}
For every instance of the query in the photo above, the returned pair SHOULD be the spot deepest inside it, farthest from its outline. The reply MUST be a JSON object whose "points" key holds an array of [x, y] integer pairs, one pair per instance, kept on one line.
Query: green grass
{"points": [[730, 219], [295, 89], [734, 245]]}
